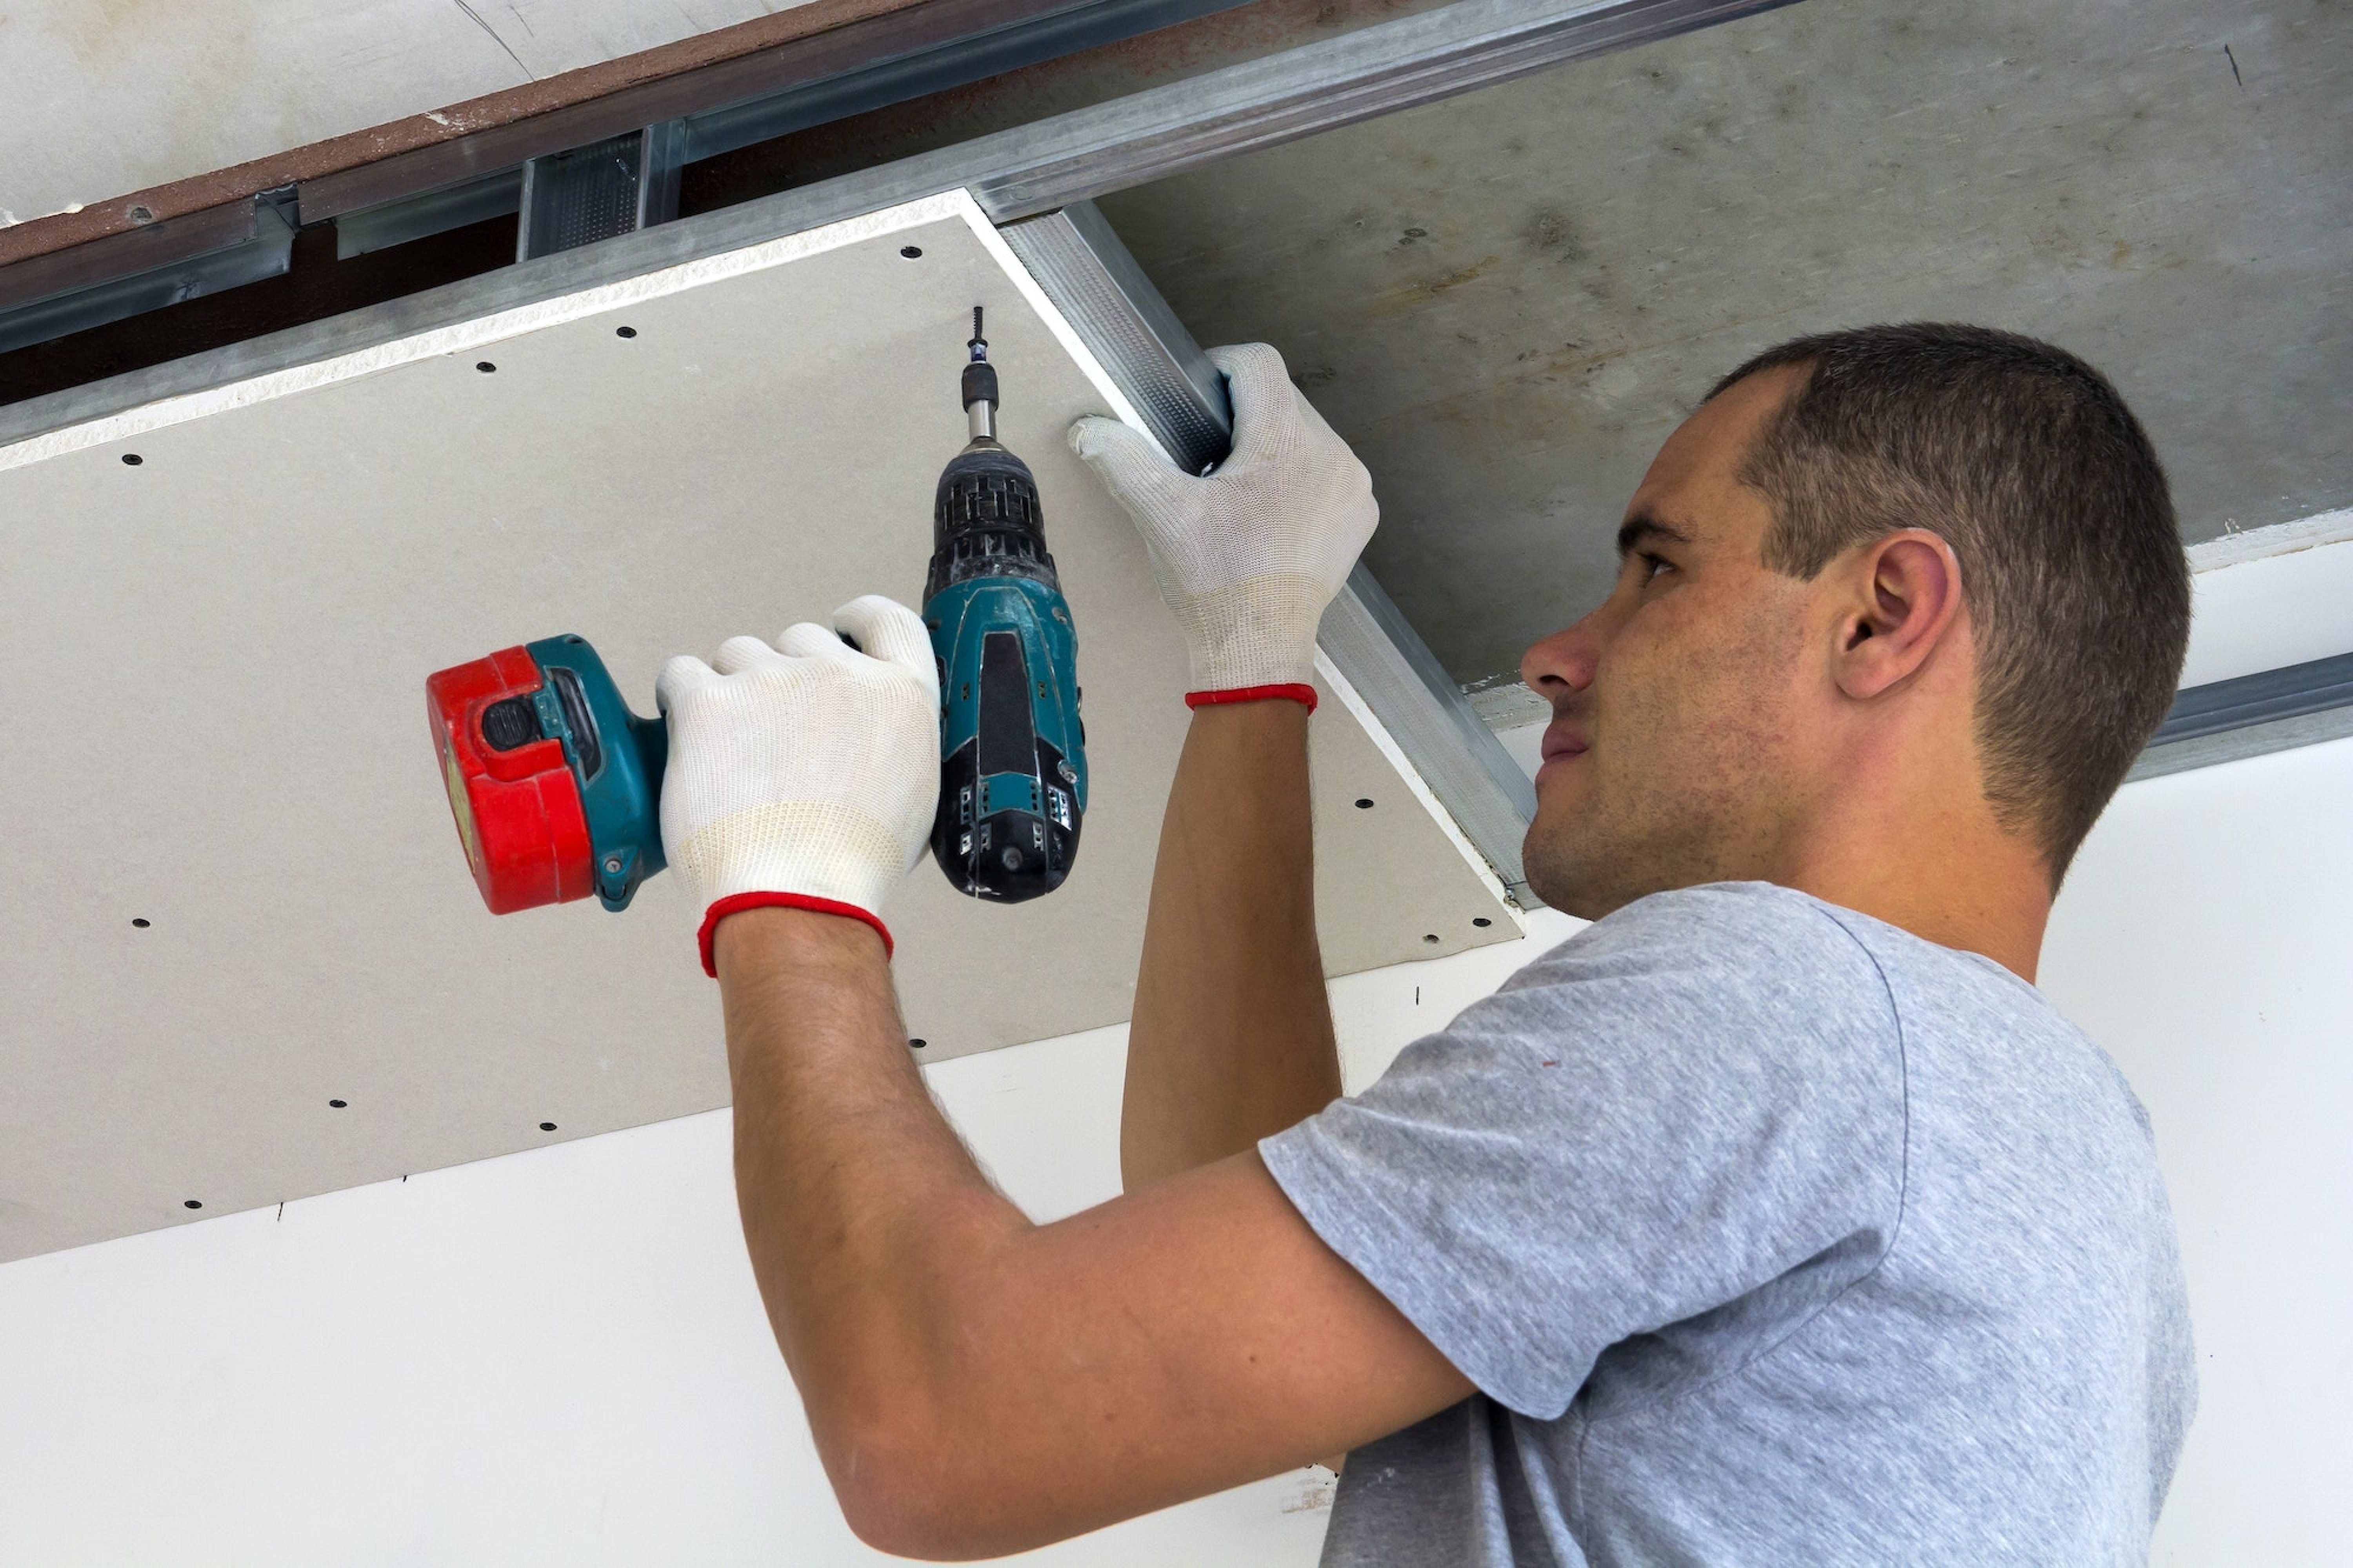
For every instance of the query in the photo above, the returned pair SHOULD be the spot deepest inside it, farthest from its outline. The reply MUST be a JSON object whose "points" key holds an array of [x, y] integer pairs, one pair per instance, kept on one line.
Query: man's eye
{"points": [[1654, 565]]}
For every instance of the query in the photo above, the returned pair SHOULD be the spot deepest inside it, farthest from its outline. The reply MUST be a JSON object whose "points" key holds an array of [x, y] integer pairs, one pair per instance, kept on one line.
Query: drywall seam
{"points": [[499, 326], [1373, 727]]}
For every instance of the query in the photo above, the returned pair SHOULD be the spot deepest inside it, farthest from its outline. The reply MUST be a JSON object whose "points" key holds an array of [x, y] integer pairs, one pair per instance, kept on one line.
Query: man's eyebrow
{"points": [[1643, 526]]}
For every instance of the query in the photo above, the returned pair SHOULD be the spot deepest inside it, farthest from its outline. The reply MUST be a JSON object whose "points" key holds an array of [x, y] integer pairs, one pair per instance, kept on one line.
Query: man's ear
{"points": [[1905, 600]]}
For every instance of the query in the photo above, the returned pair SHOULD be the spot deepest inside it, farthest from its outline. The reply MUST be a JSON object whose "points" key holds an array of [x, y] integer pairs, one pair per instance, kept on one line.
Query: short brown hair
{"points": [[2027, 462]]}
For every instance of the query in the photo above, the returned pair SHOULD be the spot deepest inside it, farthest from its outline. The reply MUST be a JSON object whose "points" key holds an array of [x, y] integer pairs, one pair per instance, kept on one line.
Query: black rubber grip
{"points": [[979, 384]]}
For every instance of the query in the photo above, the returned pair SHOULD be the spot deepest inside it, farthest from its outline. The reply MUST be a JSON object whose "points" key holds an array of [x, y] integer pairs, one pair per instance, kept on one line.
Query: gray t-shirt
{"points": [[1770, 1233]]}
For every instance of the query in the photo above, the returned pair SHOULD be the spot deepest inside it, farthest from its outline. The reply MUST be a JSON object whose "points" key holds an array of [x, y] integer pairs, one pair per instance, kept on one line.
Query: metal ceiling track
{"points": [[2272, 710], [1015, 173], [1099, 288]]}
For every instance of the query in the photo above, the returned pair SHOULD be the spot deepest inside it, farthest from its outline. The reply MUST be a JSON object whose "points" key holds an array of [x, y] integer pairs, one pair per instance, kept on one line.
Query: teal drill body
{"points": [[1013, 765]]}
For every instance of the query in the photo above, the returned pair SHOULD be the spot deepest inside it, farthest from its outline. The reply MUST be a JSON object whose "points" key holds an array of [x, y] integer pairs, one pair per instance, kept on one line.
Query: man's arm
{"points": [[1231, 1037], [978, 1385]]}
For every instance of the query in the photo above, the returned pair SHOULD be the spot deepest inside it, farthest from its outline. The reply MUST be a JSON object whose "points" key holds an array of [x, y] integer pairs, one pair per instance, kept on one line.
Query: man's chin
{"points": [[1559, 872], [1582, 872]]}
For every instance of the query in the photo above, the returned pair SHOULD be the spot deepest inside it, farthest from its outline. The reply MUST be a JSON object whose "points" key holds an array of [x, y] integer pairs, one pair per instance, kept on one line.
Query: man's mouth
{"points": [[1562, 741]]}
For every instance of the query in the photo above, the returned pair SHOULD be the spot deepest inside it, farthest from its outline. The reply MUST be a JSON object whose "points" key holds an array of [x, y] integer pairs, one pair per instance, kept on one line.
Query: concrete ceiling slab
{"points": [[1507, 301], [239, 895]]}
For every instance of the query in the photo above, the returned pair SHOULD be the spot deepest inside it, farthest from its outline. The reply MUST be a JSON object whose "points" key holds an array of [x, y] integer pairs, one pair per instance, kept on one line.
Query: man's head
{"points": [[1882, 580]]}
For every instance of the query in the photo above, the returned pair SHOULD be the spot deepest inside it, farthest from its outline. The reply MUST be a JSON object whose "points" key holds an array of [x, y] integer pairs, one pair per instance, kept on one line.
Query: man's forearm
{"points": [[1231, 1037], [977, 1383], [847, 1175]]}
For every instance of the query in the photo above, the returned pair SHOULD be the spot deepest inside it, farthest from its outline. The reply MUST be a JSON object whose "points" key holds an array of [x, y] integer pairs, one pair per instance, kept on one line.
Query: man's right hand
{"points": [[1248, 556]]}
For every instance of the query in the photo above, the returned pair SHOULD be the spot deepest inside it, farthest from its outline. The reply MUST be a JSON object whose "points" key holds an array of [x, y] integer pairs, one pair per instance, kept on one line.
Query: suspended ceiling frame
{"points": [[1040, 169], [1032, 169]]}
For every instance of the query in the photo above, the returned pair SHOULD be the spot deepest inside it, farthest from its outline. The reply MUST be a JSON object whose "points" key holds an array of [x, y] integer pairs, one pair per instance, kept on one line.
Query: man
{"points": [[1773, 1218]]}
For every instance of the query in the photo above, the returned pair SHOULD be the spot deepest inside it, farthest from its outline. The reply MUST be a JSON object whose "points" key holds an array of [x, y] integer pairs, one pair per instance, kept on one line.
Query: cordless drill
{"points": [[556, 785], [1013, 764]]}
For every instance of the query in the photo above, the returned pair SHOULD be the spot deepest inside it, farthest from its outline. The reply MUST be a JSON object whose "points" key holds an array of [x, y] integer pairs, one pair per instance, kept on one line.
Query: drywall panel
{"points": [[1506, 300], [556, 1356], [239, 895], [187, 87], [2271, 598]]}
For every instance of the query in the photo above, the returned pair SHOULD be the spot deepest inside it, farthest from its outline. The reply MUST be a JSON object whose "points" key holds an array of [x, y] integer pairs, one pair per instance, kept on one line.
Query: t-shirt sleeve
{"points": [[1680, 1104]]}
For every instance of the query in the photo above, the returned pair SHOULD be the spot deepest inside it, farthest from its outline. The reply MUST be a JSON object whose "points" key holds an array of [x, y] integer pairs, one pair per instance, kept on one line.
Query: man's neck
{"points": [[1950, 877]]}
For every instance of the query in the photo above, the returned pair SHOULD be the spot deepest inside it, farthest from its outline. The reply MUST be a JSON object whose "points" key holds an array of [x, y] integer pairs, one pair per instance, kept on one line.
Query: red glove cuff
{"points": [[1295, 691], [737, 903]]}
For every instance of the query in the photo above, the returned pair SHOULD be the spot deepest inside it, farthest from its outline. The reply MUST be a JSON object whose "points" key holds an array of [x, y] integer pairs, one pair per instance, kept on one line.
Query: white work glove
{"points": [[804, 774], [1248, 557]]}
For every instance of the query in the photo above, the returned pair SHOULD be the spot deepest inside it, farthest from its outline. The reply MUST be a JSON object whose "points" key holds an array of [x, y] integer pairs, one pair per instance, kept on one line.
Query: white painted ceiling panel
{"points": [[102, 97], [212, 669]]}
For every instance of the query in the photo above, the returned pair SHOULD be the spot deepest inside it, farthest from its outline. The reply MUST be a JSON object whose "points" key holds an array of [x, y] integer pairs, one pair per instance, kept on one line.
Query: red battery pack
{"points": [[517, 806]]}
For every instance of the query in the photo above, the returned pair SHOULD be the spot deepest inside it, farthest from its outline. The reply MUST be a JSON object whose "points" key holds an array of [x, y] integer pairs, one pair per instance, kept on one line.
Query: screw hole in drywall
{"points": [[547, 1127], [1482, 921], [625, 331], [140, 922], [1363, 803], [485, 366], [337, 1104], [911, 252], [131, 459], [192, 1204], [1430, 937]]}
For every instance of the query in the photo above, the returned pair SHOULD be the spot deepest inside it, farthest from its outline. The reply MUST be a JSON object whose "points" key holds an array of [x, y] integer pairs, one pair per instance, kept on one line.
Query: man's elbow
{"points": [[910, 1489]]}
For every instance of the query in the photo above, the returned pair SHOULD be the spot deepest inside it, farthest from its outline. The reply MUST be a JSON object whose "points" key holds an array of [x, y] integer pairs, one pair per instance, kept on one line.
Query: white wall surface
{"points": [[559, 1356], [2205, 940]]}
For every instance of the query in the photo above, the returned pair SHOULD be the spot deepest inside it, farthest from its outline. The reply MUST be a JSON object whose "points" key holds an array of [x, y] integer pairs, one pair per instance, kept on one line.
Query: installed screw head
{"points": [[612, 863]]}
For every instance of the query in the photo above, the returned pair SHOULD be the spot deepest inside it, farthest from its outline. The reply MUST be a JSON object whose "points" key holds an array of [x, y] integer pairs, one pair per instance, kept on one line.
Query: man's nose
{"points": [[1564, 662]]}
